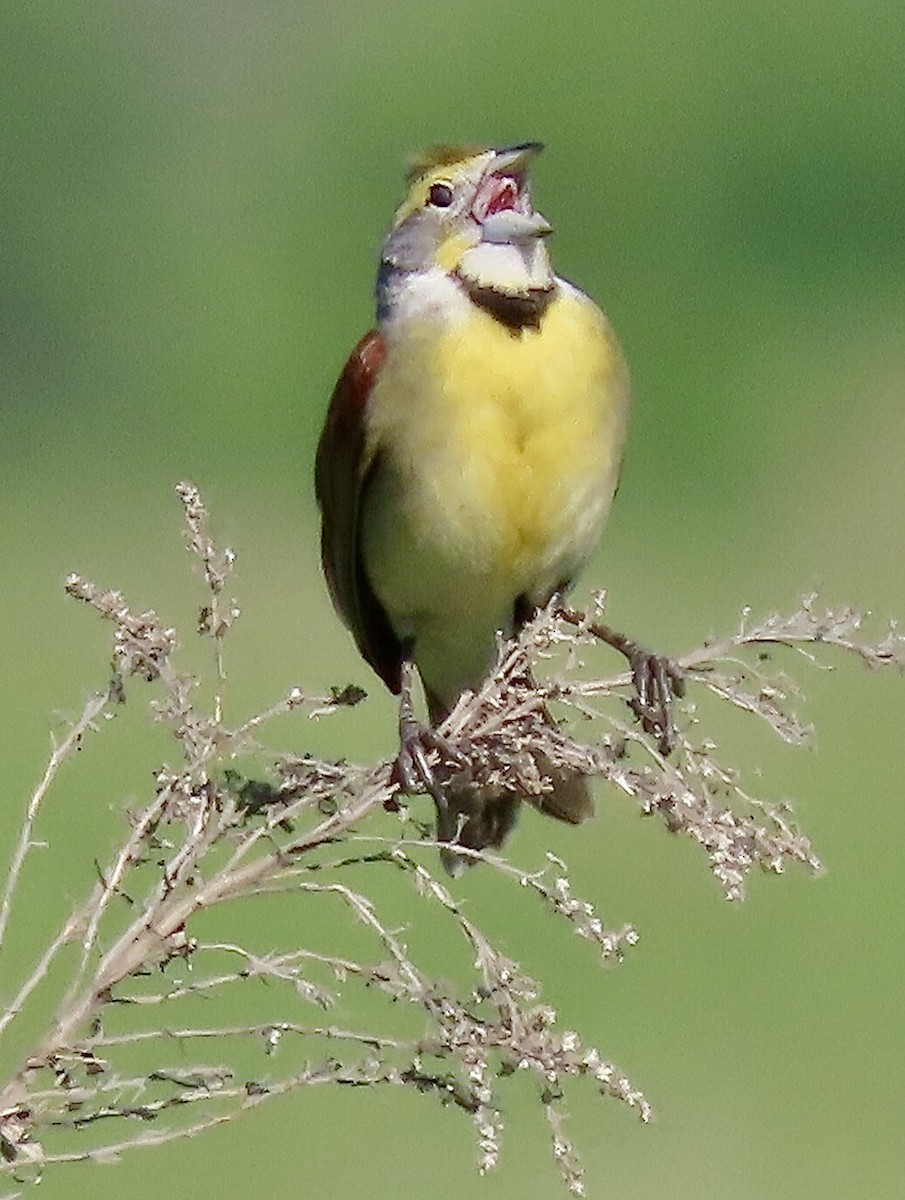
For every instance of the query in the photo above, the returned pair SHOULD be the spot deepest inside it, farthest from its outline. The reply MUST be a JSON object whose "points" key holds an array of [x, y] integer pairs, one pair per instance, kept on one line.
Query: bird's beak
{"points": [[502, 206], [516, 158]]}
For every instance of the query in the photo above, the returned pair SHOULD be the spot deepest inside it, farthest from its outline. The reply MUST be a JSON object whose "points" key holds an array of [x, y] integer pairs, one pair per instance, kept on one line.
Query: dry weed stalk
{"points": [[110, 1072]]}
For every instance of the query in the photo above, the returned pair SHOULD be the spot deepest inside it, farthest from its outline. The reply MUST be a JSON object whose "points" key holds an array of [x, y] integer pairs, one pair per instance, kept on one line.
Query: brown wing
{"points": [[341, 476]]}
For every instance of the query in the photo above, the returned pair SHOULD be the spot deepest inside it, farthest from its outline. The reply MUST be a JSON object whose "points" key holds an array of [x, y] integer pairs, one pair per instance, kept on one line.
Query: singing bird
{"points": [[471, 449]]}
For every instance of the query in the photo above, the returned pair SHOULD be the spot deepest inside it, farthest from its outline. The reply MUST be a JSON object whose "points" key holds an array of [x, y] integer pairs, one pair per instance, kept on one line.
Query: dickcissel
{"points": [[471, 449]]}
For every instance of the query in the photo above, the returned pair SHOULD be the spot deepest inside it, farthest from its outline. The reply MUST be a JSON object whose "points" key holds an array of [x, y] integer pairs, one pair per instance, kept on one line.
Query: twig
{"points": [[61, 752]]}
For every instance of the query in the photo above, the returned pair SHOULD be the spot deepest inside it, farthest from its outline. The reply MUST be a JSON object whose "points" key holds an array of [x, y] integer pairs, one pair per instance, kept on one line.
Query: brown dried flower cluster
{"points": [[110, 1071]]}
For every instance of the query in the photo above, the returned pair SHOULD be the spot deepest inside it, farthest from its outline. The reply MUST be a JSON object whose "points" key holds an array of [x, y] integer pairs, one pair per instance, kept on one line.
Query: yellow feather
{"points": [[449, 253], [528, 416], [499, 457]]}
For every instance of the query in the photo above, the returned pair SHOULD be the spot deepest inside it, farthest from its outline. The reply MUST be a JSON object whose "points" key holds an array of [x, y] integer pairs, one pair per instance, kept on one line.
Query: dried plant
{"points": [[132, 1057]]}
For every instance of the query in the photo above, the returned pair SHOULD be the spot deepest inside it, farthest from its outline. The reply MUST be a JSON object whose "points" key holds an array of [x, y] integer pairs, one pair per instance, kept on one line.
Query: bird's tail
{"points": [[480, 817]]}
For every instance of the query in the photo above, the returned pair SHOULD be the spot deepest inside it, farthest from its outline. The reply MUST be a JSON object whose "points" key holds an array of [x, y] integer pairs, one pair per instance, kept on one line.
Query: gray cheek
{"points": [[413, 245]]}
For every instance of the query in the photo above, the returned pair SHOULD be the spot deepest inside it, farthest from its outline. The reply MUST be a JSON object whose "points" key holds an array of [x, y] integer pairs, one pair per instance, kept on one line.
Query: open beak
{"points": [[502, 205]]}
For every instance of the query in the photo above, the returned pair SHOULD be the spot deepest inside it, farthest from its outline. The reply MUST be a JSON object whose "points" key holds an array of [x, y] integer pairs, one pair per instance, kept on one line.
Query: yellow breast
{"points": [[504, 448]]}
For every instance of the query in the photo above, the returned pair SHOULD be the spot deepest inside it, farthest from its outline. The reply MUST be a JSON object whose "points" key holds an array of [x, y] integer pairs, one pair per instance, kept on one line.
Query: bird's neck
{"points": [[513, 282]]}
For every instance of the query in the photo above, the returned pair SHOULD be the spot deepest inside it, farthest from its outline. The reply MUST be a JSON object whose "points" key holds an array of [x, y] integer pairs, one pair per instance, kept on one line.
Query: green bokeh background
{"points": [[192, 197]]}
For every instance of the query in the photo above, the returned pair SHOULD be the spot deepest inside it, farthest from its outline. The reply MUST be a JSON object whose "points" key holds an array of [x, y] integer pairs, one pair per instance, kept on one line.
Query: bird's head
{"points": [[468, 210]]}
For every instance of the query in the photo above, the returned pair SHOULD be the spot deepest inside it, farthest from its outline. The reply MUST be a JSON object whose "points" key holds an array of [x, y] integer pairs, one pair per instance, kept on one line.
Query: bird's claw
{"points": [[412, 770], [658, 681], [657, 678]]}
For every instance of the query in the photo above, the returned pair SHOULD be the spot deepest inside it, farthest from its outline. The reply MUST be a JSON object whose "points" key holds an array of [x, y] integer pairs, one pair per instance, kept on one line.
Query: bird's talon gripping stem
{"points": [[657, 678], [658, 681], [412, 770]]}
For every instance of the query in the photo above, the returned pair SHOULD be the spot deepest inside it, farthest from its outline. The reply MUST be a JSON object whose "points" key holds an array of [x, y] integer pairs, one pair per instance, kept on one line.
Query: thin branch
{"points": [[61, 752]]}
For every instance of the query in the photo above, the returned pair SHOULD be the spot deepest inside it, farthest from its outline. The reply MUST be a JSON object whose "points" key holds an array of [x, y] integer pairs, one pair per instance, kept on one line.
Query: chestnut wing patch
{"points": [[341, 477]]}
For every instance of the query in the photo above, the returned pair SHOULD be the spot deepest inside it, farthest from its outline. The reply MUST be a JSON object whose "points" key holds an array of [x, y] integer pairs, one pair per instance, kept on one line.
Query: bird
{"points": [[470, 453]]}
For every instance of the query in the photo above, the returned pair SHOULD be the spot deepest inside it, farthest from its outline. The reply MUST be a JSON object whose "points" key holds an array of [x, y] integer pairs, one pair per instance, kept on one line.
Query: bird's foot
{"points": [[658, 680], [412, 771]]}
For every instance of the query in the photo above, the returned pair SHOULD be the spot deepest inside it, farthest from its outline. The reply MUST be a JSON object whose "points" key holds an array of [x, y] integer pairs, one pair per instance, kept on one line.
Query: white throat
{"points": [[514, 268]]}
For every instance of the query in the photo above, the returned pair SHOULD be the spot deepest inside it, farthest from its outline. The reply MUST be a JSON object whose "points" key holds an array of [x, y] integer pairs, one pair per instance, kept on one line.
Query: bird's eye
{"points": [[440, 195]]}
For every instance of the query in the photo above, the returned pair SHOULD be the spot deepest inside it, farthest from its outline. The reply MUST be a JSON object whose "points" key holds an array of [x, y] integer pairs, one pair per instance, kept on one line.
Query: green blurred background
{"points": [[192, 198]]}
